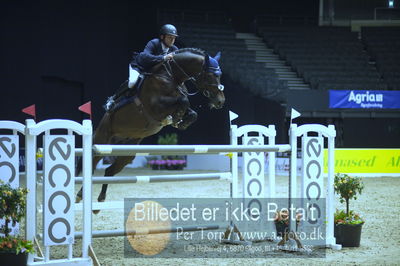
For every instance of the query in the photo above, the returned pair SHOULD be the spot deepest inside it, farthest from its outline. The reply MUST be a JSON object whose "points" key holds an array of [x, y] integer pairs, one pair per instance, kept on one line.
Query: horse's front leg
{"points": [[189, 118], [177, 105]]}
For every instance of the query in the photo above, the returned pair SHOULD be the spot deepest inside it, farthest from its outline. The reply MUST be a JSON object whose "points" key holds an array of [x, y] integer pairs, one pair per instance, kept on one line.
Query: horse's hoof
{"points": [[97, 211], [182, 126], [167, 121], [78, 199]]}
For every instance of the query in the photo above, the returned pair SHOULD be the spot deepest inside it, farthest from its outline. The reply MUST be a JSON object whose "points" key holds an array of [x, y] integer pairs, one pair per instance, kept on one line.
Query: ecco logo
{"points": [[9, 152], [313, 183], [254, 176], [58, 169]]}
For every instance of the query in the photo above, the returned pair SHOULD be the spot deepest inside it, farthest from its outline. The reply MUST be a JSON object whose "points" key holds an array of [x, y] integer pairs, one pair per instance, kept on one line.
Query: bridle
{"points": [[206, 92], [194, 80]]}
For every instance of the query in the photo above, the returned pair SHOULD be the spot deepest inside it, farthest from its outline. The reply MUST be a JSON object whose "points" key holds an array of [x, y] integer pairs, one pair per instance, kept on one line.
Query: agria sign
{"points": [[364, 99], [367, 99]]}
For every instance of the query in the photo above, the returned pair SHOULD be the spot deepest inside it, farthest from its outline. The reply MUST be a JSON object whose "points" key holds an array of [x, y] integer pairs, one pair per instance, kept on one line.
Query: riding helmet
{"points": [[169, 29]]}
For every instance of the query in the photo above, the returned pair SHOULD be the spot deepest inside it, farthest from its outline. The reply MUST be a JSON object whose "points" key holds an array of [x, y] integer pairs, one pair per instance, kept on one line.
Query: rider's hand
{"points": [[168, 57]]}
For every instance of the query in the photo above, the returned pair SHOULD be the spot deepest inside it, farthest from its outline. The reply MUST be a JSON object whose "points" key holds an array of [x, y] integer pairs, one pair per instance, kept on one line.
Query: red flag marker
{"points": [[86, 108], [30, 110]]}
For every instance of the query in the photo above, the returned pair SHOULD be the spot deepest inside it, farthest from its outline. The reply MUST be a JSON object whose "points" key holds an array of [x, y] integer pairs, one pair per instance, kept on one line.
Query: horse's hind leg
{"points": [[101, 136], [113, 169], [94, 164], [116, 167]]}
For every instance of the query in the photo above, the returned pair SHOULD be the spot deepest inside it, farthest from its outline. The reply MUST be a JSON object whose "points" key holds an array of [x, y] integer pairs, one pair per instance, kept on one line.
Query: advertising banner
{"points": [[369, 161], [364, 99]]}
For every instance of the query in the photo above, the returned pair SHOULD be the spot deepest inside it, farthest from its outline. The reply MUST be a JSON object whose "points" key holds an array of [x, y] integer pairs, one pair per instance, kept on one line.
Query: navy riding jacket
{"points": [[151, 55]]}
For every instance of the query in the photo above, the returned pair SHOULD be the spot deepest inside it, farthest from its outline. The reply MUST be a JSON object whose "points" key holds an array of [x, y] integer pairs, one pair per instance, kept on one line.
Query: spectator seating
{"points": [[237, 61], [325, 57], [383, 44]]}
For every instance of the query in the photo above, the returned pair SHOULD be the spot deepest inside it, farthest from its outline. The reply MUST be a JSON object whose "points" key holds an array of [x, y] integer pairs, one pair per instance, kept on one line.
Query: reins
{"points": [[191, 79]]}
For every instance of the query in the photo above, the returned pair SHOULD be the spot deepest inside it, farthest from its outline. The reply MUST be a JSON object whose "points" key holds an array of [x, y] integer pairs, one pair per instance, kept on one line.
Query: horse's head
{"points": [[209, 81], [204, 70]]}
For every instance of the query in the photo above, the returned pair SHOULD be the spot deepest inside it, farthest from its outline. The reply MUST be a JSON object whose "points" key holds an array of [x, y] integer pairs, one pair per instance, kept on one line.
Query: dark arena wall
{"points": [[61, 54]]}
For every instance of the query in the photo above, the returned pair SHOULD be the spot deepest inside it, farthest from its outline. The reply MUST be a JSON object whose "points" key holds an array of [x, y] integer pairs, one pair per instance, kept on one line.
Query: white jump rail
{"points": [[127, 150], [160, 230], [157, 178]]}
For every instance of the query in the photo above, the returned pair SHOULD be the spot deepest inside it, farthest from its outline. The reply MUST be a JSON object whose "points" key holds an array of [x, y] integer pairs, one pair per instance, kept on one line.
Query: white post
{"points": [[271, 164], [330, 209], [234, 164], [87, 189], [293, 161], [30, 170], [293, 172]]}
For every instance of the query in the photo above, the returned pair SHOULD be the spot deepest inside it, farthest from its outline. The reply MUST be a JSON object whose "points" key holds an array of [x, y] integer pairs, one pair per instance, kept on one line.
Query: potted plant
{"points": [[13, 249], [157, 164], [177, 163], [348, 224], [169, 162]]}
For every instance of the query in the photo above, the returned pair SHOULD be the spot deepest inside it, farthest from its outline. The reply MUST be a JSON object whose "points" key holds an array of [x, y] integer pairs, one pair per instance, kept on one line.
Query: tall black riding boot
{"points": [[111, 101]]}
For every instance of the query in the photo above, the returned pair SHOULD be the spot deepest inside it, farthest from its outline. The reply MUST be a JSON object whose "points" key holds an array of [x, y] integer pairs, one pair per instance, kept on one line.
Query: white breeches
{"points": [[133, 76]]}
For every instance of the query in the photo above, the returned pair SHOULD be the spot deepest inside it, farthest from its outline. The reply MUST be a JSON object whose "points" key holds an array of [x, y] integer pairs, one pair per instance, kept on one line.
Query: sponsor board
{"points": [[385, 161], [376, 162], [364, 99]]}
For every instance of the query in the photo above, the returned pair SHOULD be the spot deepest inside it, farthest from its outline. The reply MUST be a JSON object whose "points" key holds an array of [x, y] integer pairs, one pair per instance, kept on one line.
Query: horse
{"points": [[162, 100]]}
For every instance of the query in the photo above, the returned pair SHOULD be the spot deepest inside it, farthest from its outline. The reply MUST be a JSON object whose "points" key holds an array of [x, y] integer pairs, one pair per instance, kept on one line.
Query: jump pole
{"points": [[157, 178], [127, 150], [122, 232]]}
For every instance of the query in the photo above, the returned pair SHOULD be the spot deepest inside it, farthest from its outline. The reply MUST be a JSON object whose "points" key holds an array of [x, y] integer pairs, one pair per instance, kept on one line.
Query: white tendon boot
{"points": [[133, 76]]}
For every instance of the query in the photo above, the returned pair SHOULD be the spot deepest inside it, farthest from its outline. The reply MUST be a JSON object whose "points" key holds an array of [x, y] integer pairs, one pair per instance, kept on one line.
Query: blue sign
{"points": [[364, 99]]}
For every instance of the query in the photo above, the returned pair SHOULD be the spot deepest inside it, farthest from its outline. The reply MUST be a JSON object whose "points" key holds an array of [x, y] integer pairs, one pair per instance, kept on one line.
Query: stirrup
{"points": [[109, 103]]}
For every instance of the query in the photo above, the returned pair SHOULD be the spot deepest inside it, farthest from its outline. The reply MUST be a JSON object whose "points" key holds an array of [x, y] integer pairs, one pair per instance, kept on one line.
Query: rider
{"points": [[157, 50]]}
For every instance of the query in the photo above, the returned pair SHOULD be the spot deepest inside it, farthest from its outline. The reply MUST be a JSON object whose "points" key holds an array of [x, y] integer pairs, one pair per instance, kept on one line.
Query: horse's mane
{"points": [[192, 50]]}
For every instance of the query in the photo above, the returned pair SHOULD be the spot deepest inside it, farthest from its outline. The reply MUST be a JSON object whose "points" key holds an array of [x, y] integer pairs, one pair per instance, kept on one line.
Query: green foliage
{"points": [[12, 209], [168, 139], [15, 244], [341, 217], [347, 188], [12, 205]]}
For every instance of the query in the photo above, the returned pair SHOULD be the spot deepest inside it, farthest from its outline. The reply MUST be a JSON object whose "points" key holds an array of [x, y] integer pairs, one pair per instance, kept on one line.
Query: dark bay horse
{"points": [[162, 100]]}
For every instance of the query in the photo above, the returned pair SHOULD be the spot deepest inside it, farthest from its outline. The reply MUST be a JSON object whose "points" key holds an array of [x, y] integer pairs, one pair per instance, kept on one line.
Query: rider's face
{"points": [[169, 40]]}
